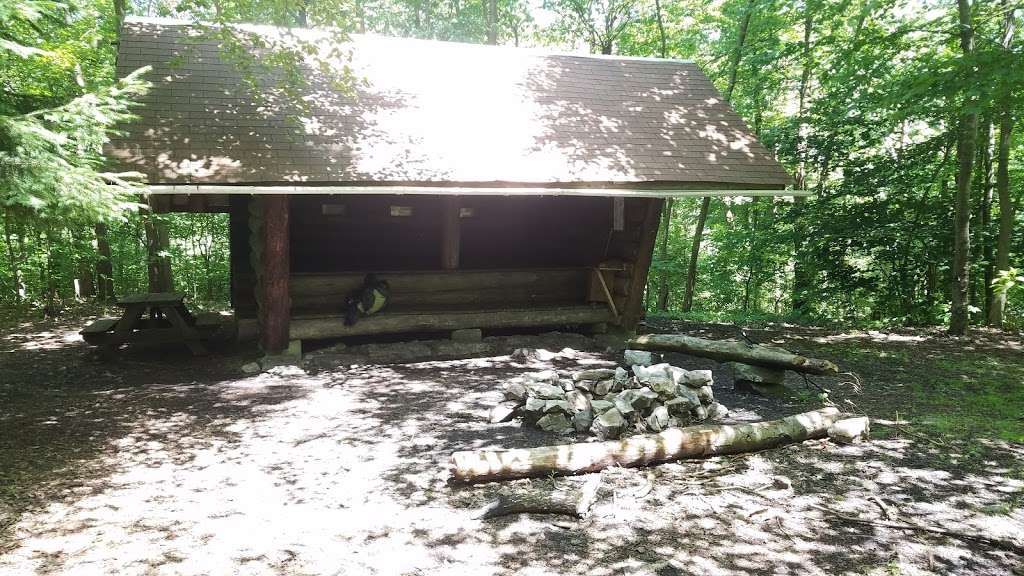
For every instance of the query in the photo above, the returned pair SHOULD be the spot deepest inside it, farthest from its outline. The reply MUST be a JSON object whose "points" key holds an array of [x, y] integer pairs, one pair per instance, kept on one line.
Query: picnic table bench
{"points": [[169, 322]]}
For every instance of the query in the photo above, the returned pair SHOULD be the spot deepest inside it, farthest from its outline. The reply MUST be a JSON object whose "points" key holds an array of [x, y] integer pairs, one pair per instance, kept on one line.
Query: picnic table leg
{"points": [[123, 329], [188, 333]]}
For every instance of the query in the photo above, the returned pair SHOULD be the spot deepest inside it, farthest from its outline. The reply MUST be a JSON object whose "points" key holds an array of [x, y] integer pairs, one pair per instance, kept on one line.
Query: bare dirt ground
{"points": [[160, 463]]}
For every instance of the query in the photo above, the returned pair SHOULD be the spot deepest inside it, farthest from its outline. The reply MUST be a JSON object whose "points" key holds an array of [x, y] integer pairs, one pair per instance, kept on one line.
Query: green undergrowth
{"points": [[959, 394]]}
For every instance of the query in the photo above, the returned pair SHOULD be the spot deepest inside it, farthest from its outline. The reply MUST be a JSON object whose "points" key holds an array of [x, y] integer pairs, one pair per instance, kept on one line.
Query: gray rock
{"points": [[530, 354], [586, 385], [689, 394], [621, 377], [665, 389], [645, 399], [503, 412], [650, 374], [582, 420], [757, 374], [251, 368], [604, 387], [699, 413], [691, 378], [594, 374], [608, 425], [468, 335], [515, 391], [716, 411], [637, 358], [624, 402], [706, 395], [552, 406], [658, 419], [679, 407], [850, 430], [567, 385], [533, 409], [601, 406], [543, 377], [556, 423], [545, 391], [578, 401]]}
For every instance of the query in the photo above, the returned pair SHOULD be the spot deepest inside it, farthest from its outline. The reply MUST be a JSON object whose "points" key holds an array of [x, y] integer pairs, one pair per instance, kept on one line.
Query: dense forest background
{"points": [[899, 115]]}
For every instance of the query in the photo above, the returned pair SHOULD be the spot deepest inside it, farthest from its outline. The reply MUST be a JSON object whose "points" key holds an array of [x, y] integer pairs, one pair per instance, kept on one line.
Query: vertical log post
{"points": [[276, 305], [633, 310], [450, 233]]}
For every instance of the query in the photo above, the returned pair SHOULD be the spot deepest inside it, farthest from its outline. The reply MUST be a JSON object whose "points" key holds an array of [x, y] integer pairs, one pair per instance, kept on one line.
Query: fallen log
{"points": [[732, 351], [669, 445]]}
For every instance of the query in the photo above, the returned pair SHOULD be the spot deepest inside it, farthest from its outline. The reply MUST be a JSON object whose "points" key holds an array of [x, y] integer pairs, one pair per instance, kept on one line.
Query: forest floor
{"points": [[160, 463]]}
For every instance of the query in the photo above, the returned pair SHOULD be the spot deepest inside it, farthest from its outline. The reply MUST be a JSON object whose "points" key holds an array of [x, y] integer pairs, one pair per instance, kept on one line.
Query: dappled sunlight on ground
{"points": [[341, 470]]}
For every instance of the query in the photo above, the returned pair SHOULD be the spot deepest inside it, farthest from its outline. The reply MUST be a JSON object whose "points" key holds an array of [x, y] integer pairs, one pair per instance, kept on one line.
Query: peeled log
{"points": [[726, 351], [672, 444]]}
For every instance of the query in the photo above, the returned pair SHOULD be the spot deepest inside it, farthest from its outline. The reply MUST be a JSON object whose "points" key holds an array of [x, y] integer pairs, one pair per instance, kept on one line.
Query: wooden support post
{"points": [[633, 310], [276, 307], [450, 233]]}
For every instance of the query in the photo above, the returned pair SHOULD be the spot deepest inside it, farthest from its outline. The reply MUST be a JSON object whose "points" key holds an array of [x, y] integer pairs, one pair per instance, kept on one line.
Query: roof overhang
{"points": [[659, 192]]}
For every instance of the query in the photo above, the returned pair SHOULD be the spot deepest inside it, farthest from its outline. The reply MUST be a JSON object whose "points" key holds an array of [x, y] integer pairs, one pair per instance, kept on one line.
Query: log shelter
{"points": [[492, 187]]}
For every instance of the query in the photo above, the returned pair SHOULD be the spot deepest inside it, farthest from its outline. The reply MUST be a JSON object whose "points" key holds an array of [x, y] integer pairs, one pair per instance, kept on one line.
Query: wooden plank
{"points": [[633, 309], [450, 233], [317, 327], [275, 305], [435, 281], [152, 298]]}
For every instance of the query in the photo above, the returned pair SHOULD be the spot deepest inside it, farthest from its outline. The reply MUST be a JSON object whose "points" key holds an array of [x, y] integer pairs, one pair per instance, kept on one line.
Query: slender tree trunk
{"points": [[802, 274], [158, 259], [984, 217], [661, 28], [104, 265], [959, 319], [666, 228], [1006, 207], [691, 270], [705, 205], [17, 280], [492, 22]]}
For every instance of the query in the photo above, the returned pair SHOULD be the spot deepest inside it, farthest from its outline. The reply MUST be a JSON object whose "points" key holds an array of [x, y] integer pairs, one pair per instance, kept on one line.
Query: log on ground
{"points": [[730, 350], [669, 445]]}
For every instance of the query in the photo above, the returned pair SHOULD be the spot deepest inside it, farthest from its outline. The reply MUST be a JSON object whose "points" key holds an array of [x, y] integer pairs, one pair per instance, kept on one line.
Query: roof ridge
{"points": [[540, 51]]}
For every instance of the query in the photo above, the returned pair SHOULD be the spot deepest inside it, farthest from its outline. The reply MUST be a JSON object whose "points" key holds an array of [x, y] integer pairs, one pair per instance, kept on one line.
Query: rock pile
{"points": [[609, 403]]}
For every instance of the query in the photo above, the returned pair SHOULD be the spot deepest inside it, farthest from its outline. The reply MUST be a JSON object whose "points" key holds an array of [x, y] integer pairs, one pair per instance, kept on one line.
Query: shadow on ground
{"points": [[169, 464]]}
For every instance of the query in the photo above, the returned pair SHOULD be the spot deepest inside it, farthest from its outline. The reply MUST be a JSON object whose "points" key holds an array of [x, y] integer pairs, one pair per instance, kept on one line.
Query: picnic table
{"points": [[169, 322]]}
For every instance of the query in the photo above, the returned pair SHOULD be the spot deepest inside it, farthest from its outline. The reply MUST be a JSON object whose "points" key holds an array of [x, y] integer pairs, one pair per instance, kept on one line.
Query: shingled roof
{"points": [[435, 113]]}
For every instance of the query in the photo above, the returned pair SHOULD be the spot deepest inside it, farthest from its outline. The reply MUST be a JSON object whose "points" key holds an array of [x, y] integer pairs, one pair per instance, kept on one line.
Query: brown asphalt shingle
{"points": [[433, 112]]}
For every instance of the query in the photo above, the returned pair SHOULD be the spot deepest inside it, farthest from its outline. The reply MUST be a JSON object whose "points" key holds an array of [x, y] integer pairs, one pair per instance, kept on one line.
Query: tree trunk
{"points": [[732, 351], [984, 216], [661, 28], [1006, 207], [157, 254], [802, 275], [672, 444], [666, 227], [691, 269], [705, 205], [17, 280], [958, 319], [492, 22], [104, 265]]}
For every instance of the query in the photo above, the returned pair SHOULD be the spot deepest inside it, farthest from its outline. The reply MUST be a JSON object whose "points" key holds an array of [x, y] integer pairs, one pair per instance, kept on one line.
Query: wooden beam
{"points": [[450, 233], [633, 309], [276, 307], [331, 326]]}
